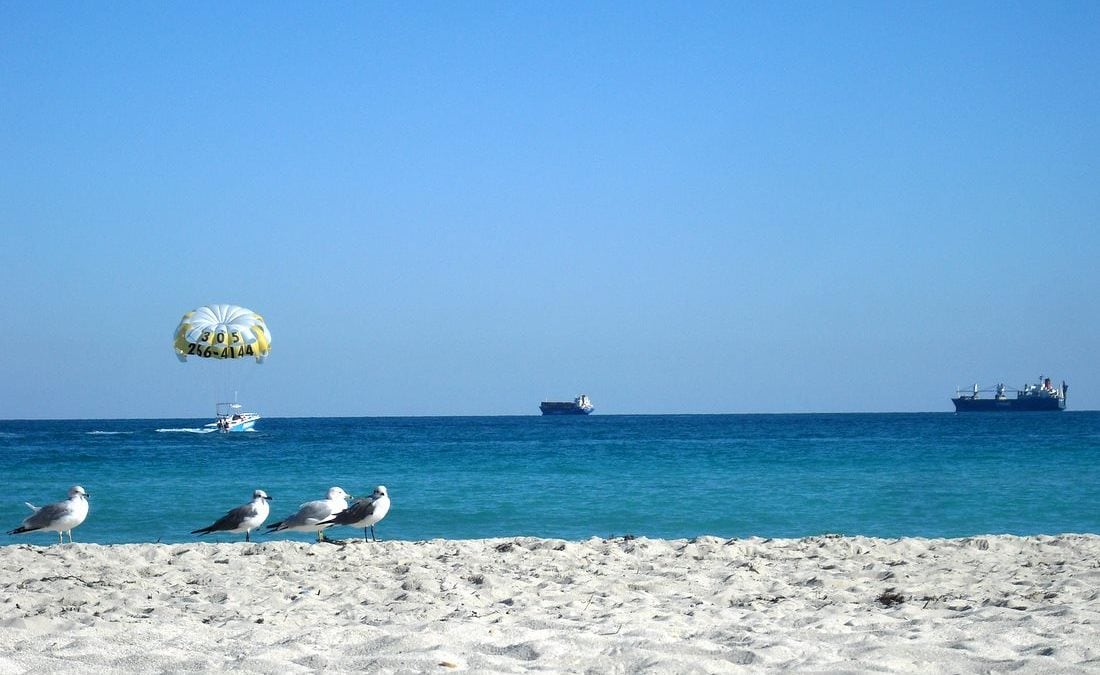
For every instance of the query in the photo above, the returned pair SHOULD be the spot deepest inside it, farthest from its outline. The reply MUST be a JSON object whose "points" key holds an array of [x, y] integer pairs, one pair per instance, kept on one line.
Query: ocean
{"points": [[667, 476]]}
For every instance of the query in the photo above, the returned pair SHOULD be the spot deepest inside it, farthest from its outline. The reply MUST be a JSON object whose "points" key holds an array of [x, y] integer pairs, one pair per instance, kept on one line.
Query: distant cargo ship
{"points": [[1033, 397], [578, 406]]}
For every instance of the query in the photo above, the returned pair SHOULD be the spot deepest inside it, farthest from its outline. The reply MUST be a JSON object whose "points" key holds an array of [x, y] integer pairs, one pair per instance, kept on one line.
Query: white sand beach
{"points": [[836, 604]]}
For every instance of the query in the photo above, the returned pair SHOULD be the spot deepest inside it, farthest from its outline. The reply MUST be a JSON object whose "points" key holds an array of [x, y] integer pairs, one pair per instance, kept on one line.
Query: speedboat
{"points": [[229, 417]]}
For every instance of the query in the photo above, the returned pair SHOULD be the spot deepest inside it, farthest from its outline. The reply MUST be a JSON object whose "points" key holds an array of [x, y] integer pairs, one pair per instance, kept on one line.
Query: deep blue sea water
{"points": [[889, 475]]}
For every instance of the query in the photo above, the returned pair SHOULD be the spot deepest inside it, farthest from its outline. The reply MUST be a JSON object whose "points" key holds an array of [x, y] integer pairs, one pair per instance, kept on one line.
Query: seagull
{"points": [[59, 517], [244, 518], [311, 516], [365, 512]]}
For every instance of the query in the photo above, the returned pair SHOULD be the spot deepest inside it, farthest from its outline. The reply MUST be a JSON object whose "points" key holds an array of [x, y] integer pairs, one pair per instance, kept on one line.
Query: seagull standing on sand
{"points": [[312, 516], [365, 512], [244, 518], [59, 517]]}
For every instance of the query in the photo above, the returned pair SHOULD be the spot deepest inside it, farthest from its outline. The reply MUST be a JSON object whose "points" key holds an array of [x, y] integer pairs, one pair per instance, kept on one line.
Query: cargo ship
{"points": [[578, 406], [1043, 396]]}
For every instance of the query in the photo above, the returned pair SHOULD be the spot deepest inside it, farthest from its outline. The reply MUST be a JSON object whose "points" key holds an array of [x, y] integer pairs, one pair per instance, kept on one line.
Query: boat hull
{"points": [[228, 425], [240, 426], [563, 408], [1030, 404]]}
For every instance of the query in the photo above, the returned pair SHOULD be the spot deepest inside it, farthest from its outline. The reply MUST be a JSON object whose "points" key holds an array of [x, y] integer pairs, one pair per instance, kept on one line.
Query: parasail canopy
{"points": [[222, 332]]}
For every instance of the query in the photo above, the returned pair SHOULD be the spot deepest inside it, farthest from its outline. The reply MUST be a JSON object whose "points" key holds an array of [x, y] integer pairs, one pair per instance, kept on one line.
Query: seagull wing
{"points": [[230, 520], [359, 509], [311, 513], [46, 515]]}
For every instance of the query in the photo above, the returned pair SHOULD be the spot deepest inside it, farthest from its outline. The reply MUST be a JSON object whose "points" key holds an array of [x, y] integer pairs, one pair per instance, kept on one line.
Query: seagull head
{"points": [[77, 490], [260, 494], [380, 491], [337, 493]]}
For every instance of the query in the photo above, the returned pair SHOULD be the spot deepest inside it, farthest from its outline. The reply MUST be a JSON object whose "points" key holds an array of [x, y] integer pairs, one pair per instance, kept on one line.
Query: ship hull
{"points": [[1009, 404], [563, 408]]}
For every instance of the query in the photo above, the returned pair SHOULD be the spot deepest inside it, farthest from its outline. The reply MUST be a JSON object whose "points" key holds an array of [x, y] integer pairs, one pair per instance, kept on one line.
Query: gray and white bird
{"points": [[313, 516], [244, 518], [59, 517], [365, 512]]}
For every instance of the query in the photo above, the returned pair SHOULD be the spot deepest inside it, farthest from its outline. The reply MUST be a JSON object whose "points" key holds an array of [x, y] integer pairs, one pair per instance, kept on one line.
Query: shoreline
{"points": [[519, 604]]}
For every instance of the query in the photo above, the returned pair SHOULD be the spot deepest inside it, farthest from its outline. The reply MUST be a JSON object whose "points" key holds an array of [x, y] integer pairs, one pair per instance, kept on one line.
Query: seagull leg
{"points": [[364, 534], [246, 536], [373, 538], [61, 537]]}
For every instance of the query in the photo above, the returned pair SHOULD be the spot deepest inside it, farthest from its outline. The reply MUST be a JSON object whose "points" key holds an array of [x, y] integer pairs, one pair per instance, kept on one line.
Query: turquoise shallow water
{"points": [[890, 475]]}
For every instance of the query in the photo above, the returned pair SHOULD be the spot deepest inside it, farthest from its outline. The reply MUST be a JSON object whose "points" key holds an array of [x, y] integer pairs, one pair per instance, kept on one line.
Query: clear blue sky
{"points": [[465, 208]]}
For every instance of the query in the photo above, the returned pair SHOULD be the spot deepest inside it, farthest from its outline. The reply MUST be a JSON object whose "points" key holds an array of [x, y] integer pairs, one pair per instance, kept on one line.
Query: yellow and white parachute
{"points": [[222, 332]]}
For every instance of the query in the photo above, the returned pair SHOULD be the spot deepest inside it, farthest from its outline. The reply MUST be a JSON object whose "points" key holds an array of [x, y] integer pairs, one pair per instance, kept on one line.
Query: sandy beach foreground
{"points": [[839, 604]]}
